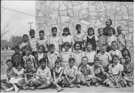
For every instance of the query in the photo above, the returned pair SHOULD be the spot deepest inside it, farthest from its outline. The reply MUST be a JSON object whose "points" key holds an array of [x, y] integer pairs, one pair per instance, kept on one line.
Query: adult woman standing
{"points": [[108, 23]]}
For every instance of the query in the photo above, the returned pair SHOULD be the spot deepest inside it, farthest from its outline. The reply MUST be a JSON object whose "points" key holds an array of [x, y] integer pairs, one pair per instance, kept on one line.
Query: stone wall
{"points": [[87, 13]]}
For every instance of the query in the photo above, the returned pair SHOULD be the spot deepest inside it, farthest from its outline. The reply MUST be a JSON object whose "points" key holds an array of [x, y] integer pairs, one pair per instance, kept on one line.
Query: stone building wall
{"points": [[87, 13]]}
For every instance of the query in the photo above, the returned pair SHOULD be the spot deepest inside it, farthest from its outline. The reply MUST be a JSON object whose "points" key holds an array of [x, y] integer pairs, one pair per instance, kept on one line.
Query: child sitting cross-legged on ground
{"points": [[30, 71], [115, 71], [71, 74], [58, 75], [87, 72], [43, 76], [100, 74], [5, 84], [128, 71]]}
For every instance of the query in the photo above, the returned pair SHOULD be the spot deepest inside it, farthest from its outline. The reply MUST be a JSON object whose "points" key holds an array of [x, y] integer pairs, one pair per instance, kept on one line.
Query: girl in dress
{"points": [[128, 71], [19, 79], [114, 77], [57, 75], [66, 37], [91, 38], [66, 54], [78, 53]]}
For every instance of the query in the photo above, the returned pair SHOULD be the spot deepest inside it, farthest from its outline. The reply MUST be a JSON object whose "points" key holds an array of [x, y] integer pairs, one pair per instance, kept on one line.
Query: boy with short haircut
{"points": [[55, 39], [71, 74], [43, 76], [104, 57], [42, 39], [33, 41], [52, 56], [87, 72], [17, 58], [24, 43]]}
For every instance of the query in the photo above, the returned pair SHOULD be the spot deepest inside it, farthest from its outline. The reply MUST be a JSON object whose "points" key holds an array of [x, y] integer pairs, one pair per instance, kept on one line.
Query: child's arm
{"points": [[60, 75], [54, 75]]}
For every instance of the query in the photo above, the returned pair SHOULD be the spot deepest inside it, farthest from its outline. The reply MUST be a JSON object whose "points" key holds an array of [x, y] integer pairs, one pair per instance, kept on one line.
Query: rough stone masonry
{"points": [[88, 13]]}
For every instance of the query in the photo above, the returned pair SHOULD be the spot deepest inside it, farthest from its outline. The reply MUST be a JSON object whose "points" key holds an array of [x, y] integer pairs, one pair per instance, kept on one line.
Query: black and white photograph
{"points": [[67, 46]]}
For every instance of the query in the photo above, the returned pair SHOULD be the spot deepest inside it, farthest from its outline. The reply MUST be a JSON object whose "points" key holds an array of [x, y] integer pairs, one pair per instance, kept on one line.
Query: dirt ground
{"points": [[83, 89]]}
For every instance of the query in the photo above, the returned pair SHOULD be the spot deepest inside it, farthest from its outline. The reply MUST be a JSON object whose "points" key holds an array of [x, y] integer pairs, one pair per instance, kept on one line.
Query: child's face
{"points": [[108, 23], [84, 61], [9, 64], [78, 29], [119, 29], [100, 32], [32, 35], [28, 64], [19, 68], [97, 63], [25, 38], [114, 46], [41, 35], [77, 47], [71, 64], [103, 49], [16, 50], [54, 32], [90, 32], [43, 64], [127, 58], [125, 52], [27, 52], [89, 47], [57, 65], [110, 32], [66, 48], [52, 50], [40, 50], [66, 32], [115, 60]]}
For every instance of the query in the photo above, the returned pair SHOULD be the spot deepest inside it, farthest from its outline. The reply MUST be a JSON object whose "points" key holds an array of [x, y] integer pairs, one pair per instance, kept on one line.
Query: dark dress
{"points": [[92, 41]]}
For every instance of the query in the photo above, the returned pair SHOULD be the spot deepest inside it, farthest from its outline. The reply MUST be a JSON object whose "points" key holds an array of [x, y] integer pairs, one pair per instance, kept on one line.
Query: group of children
{"points": [[70, 61]]}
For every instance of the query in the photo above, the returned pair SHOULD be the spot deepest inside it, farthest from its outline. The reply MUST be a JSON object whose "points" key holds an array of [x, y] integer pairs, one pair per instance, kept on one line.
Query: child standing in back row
{"points": [[33, 42], [91, 38], [55, 39], [121, 38], [42, 39], [102, 39], [110, 38]]}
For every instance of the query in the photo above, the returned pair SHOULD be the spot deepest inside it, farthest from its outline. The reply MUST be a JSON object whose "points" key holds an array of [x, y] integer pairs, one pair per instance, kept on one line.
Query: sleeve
{"points": [[121, 68], [120, 54], [72, 40], [60, 41], [49, 74], [38, 72], [109, 57], [110, 68], [96, 38]]}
